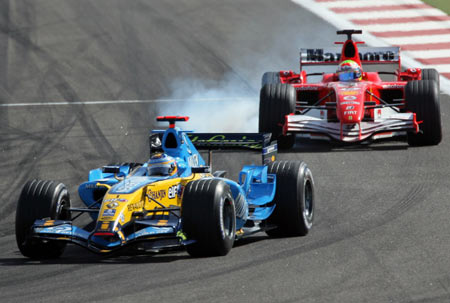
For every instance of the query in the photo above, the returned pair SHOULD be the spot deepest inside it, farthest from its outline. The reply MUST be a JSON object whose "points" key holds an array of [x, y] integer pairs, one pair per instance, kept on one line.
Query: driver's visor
{"points": [[159, 170], [346, 75]]}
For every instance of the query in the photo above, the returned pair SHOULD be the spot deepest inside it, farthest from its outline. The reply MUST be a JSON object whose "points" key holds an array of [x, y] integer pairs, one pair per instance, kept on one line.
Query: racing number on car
{"points": [[173, 190]]}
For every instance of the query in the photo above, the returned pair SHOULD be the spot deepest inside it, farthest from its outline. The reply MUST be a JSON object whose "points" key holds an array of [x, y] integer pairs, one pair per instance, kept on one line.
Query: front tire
{"points": [[431, 74], [40, 199], [209, 217], [294, 199], [422, 98], [276, 101], [270, 78]]}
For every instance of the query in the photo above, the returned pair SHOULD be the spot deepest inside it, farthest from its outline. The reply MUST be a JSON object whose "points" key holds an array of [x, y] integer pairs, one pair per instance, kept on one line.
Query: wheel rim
{"points": [[228, 218], [62, 208], [308, 198]]}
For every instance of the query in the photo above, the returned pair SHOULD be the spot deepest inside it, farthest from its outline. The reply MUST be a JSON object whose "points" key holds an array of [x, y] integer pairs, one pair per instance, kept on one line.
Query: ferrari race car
{"points": [[171, 201], [351, 105]]}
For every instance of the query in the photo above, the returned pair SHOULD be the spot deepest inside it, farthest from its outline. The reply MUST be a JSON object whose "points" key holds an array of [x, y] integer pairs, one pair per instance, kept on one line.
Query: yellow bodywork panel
{"points": [[167, 193]]}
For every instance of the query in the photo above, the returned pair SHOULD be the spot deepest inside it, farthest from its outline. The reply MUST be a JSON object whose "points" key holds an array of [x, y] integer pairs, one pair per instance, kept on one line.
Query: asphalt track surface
{"points": [[381, 230]]}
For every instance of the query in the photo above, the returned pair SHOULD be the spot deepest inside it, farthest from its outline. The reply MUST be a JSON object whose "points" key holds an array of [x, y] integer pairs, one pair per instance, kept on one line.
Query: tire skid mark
{"points": [[4, 45], [410, 199], [23, 50], [41, 148], [187, 39], [105, 41]]}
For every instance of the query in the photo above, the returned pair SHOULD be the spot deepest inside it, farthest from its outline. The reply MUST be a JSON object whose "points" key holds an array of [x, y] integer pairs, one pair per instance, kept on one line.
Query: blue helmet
{"points": [[161, 165]]}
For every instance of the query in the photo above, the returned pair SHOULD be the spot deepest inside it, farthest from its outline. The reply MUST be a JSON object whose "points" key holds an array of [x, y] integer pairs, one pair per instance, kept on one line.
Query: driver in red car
{"points": [[349, 70]]}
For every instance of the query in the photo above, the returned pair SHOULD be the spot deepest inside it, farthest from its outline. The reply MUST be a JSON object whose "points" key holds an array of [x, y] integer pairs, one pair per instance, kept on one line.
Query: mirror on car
{"points": [[111, 169]]}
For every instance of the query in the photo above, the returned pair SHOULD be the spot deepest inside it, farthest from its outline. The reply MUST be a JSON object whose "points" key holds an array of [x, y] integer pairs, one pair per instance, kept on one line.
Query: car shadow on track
{"points": [[78, 255], [308, 146]]}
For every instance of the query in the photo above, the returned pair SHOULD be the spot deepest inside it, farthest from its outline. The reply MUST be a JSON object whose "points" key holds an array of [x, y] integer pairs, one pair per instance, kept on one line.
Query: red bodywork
{"points": [[350, 111]]}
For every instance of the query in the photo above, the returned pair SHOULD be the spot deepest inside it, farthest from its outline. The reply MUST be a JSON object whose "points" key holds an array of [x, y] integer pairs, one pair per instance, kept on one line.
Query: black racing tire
{"points": [[431, 74], [270, 78], [41, 199], [209, 217], [294, 199], [275, 102], [422, 98]]}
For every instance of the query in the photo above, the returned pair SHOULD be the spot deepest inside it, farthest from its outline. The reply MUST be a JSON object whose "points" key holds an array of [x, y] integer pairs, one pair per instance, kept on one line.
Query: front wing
{"points": [[317, 128], [159, 235]]}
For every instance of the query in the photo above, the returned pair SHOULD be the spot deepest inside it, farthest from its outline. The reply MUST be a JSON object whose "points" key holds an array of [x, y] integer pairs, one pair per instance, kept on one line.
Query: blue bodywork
{"points": [[253, 195]]}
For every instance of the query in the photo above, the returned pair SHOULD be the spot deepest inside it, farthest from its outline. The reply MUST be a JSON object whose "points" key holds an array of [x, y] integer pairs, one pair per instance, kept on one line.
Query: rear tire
{"points": [[209, 217], [270, 78], [276, 101], [422, 98], [294, 199], [40, 199]]}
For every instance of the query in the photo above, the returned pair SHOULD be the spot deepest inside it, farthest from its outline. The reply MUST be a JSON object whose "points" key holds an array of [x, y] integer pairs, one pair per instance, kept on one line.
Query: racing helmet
{"points": [[349, 70], [161, 165]]}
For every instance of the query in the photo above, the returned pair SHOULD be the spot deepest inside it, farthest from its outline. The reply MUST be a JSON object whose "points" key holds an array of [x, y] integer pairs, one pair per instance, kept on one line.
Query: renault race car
{"points": [[348, 107], [171, 201]]}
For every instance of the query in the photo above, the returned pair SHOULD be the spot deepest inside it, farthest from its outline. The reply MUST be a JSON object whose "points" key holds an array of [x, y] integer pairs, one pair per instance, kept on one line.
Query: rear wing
{"points": [[223, 141], [230, 140], [236, 141], [332, 56]]}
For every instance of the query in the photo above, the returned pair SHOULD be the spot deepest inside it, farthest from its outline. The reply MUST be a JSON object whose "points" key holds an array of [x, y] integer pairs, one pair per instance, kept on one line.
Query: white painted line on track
{"points": [[443, 68], [123, 102], [428, 54], [411, 26], [418, 39], [367, 3], [394, 14], [340, 23]]}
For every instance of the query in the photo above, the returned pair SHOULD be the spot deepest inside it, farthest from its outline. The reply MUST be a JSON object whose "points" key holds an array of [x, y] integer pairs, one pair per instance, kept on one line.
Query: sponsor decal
{"points": [[61, 229], [230, 139], [109, 212], [115, 200], [350, 112], [104, 226], [307, 88], [349, 107], [349, 93], [350, 102], [91, 186], [349, 98], [269, 149], [355, 88], [135, 206], [122, 218], [222, 227], [393, 86], [378, 114], [112, 205], [350, 118], [129, 184], [152, 231], [333, 54], [173, 191], [158, 194], [193, 160]]}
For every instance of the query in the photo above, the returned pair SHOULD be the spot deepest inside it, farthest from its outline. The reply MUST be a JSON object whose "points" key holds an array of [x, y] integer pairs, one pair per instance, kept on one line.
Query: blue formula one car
{"points": [[171, 201]]}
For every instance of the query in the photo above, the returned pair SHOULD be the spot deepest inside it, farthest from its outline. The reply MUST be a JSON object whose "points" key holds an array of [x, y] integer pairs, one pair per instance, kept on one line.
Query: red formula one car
{"points": [[351, 105]]}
